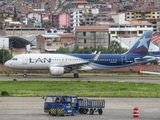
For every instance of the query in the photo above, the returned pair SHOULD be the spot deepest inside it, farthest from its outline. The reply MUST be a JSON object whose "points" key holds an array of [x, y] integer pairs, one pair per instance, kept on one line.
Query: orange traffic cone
{"points": [[135, 112]]}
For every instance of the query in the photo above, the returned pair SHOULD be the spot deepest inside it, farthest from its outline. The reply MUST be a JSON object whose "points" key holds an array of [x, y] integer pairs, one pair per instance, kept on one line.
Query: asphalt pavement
{"points": [[31, 108], [150, 79]]}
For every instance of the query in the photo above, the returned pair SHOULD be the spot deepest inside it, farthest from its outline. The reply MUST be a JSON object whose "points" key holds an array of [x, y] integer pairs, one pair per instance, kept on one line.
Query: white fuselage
{"points": [[43, 61]]}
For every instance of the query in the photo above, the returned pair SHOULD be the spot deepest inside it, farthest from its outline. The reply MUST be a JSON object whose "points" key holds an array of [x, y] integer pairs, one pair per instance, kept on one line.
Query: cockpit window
{"points": [[14, 59]]}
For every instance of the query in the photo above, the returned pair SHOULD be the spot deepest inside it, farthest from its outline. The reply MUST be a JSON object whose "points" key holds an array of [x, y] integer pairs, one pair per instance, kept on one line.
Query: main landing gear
{"points": [[76, 75], [25, 74]]}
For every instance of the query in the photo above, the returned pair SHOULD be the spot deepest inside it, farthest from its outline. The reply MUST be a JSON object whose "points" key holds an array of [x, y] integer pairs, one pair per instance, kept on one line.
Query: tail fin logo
{"points": [[145, 44], [142, 45]]}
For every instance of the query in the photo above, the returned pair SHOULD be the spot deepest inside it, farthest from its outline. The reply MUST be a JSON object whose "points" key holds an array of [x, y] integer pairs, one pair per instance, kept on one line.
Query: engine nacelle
{"points": [[56, 70]]}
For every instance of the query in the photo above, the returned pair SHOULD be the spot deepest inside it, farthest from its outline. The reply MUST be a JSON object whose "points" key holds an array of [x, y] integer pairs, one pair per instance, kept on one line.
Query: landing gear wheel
{"points": [[91, 111], [75, 75], [25, 75], [100, 111]]}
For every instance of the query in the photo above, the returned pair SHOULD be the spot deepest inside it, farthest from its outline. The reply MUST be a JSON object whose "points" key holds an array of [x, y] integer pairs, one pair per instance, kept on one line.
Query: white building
{"points": [[75, 19], [123, 29], [119, 18], [35, 16]]}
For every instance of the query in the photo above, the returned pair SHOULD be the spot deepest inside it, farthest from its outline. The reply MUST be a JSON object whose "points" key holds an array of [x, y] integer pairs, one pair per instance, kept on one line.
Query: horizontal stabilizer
{"points": [[150, 58], [148, 72]]}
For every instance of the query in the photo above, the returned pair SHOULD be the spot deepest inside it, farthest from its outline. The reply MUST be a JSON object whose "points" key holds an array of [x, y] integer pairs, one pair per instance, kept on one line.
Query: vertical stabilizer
{"points": [[142, 45]]}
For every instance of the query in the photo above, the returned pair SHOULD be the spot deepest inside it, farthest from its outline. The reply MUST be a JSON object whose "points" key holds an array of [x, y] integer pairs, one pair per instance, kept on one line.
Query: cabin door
{"points": [[25, 59], [123, 59]]}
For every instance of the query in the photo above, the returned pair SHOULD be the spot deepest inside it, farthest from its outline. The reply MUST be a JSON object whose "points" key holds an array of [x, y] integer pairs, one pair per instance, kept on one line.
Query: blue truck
{"points": [[61, 105], [71, 105]]}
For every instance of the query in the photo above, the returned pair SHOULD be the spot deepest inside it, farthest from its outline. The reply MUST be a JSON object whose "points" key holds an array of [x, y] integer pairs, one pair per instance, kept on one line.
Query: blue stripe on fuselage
{"points": [[107, 60]]}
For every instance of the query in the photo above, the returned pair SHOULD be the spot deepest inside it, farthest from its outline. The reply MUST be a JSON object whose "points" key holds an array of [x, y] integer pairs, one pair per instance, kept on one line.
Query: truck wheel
{"points": [[91, 111], [85, 111], [64, 113], [73, 113], [100, 111], [81, 110], [52, 112]]}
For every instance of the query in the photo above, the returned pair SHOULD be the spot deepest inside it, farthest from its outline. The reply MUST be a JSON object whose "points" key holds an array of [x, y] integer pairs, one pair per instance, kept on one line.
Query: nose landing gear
{"points": [[25, 74]]}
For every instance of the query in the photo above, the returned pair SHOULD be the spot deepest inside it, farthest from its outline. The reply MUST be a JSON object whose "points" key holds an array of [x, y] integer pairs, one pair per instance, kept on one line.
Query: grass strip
{"points": [[80, 88]]}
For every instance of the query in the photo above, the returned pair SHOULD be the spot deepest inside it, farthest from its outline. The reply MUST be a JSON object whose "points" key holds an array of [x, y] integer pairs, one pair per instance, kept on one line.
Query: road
{"points": [[91, 78]]}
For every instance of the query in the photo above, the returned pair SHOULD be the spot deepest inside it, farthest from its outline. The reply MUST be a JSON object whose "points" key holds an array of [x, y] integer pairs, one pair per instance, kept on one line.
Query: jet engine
{"points": [[56, 70]]}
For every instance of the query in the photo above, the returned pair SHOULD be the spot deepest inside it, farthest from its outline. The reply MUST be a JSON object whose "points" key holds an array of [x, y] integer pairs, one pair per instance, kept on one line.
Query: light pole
{"points": [[3, 55], [129, 49], [3, 51], [129, 44], [11, 47]]}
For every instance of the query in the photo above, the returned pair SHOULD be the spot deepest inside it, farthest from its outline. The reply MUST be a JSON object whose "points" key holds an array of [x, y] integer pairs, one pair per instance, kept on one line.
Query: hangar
{"points": [[18, 42]]}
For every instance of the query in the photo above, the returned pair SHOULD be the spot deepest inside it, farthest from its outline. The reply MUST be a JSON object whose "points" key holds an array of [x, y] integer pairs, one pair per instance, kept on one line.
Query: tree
{"points": [[93, 49], [4, 55], [76, 49], [15, 13], [155, 62], [1, 16], [68, 29], [62, 50], [8, 14], [86, 50], [115, 47], [102, 49], [55, 25], [47, 24]]}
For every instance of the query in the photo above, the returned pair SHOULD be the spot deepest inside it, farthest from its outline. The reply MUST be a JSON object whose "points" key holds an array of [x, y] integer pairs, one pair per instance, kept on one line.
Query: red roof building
{"points": [[155, 39]]}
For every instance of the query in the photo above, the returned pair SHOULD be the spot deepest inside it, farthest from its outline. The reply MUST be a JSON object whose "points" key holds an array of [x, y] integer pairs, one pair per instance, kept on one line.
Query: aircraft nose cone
{"points": [[6, 64]]}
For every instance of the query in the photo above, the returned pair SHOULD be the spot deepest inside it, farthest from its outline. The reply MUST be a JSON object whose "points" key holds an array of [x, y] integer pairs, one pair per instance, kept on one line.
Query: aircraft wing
{"points": [[77, 65]]}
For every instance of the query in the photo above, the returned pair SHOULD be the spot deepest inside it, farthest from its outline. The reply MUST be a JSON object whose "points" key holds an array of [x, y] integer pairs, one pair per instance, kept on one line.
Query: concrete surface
{"points": [[31, 108]]}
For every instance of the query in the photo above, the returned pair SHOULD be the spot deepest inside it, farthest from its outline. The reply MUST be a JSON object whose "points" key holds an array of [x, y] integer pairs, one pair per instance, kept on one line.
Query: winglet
{"points": [[94, 52], [96, 57]]}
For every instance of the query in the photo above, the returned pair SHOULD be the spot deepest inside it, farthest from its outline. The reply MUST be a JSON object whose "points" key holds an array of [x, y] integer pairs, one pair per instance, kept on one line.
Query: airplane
{"points": [[59, 64]]}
